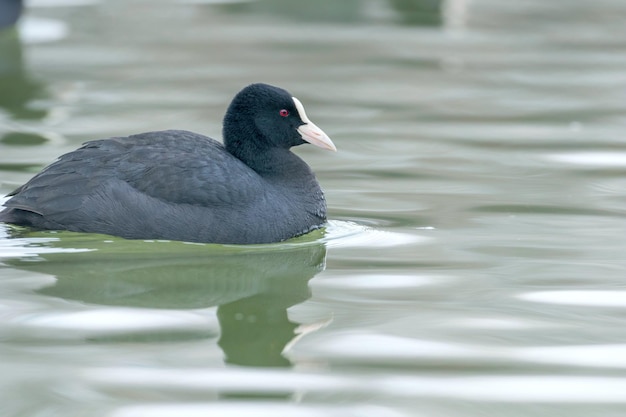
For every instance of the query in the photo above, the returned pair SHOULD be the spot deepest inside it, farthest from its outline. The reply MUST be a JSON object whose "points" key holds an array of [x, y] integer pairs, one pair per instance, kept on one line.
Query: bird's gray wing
{"points": [[175, 167]]}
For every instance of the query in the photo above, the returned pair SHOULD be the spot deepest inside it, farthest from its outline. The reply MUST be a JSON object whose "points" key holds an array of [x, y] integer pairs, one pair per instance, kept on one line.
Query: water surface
{"points": [[474, 261]]}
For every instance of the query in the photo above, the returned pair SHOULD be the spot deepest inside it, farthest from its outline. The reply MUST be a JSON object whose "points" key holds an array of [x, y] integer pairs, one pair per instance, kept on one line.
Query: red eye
{"points": [[284, 113]]}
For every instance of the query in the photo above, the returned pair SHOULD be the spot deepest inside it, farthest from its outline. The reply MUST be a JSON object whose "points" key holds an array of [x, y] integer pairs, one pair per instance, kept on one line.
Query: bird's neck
{"points": [[255, 152], [286, 173], [277, 164]]}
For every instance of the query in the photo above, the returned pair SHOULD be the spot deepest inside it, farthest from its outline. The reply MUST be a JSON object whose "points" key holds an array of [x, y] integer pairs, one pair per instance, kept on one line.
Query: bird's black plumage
{"points": [[180, 185]]}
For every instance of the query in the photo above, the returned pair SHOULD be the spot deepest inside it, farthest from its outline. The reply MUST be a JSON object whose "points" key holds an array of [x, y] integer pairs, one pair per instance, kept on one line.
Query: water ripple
{"points": [[591, 160], [253, 409], [107, 322], [350, 234], [590, 298]]}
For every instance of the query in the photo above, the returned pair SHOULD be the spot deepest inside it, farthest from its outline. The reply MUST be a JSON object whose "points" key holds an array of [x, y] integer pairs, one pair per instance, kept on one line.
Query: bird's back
{"points": [[174, 185]]}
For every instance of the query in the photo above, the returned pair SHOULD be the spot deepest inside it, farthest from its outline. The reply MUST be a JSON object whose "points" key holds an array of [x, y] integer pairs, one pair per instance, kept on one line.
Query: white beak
{"points": [[310, 132]]}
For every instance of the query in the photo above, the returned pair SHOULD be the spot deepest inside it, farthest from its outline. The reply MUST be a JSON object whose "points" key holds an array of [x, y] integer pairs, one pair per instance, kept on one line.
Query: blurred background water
{"points": [[474, 260]]}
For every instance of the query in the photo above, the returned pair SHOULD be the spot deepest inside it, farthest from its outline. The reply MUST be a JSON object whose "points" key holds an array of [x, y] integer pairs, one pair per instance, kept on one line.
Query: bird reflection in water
{"points": [[252, 286]]}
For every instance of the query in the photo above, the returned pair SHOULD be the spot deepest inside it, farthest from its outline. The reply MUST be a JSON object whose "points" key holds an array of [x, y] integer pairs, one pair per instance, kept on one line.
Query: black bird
{"points": [[179, 185]]}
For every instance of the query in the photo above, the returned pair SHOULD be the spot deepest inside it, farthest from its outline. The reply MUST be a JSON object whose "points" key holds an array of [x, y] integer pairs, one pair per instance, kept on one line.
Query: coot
{"points": [[179, 185]]}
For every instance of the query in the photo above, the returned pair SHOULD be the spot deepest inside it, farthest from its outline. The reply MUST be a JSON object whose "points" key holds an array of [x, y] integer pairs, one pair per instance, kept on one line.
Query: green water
{"points": [[474, 264]]}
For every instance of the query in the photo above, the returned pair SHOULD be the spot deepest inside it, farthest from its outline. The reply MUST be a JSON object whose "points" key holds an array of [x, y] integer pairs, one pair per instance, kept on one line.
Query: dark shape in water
{"points": [[22, 139], [179, 185], [10, 11], [17, 88], [419, 12]]}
